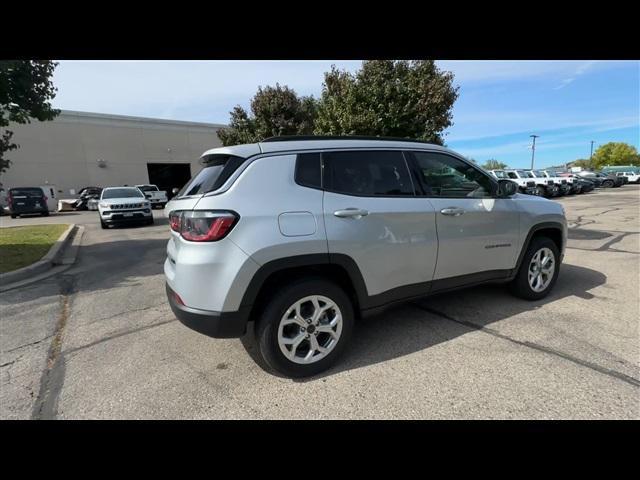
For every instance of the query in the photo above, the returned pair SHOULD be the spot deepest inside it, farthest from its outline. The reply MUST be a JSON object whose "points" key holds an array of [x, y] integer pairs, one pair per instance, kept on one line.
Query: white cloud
{"points": [[581, 70]]}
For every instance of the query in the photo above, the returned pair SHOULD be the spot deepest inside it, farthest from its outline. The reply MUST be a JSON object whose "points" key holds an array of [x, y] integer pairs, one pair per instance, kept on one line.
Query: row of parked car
{"points": [[551, 184], [34, 200]]}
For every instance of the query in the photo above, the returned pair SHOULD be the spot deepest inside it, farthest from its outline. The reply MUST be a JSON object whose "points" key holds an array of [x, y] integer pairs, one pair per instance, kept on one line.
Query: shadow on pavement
{"points": [[406, 328]]}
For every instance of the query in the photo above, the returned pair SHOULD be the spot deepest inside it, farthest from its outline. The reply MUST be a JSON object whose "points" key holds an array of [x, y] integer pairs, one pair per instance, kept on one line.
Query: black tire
{"points": [[103, 225], [607, 183], [45, 214], [149, 222], [13, 216], [520, 285], [540, 191], [266, 329]]}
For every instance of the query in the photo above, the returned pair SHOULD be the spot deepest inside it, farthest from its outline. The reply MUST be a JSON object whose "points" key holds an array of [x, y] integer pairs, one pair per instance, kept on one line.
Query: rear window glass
{"points": [[121, 193], [26, 192], [367, 173], [308, 170], [148, 188], [217, 169]]}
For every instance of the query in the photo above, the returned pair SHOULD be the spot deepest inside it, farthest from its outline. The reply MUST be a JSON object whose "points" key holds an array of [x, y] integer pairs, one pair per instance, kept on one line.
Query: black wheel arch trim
{"points": [[536, 228]]}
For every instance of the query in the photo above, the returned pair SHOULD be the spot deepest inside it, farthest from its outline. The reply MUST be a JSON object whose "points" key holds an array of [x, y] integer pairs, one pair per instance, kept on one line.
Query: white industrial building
{"points": [[80, 149]]}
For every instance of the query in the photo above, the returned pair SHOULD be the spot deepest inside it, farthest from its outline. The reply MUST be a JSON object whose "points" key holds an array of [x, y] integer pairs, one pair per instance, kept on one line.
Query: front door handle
{"points": [[452, 211], [351, 213]]}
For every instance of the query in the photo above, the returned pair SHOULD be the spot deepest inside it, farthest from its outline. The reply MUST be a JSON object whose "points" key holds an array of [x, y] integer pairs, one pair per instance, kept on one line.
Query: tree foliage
{"points": [[274, 111], [615, 153], [583, 163], [25, 93], [493, 164], [408, 99]]}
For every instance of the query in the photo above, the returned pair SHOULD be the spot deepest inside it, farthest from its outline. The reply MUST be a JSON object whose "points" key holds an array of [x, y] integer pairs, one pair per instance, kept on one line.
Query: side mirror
{"points": [[507, 188], [175, 190]]}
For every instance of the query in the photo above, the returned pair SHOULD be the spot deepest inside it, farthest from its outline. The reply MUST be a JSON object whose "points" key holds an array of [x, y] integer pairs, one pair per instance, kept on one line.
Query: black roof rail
{"points": [[293, 138]]}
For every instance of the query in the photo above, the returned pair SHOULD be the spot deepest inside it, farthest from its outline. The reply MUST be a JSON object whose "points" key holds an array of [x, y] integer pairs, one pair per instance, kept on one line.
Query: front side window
{"points": [[442, 175], [367, 173], [500, 174], [525, 174], [512, 175]]}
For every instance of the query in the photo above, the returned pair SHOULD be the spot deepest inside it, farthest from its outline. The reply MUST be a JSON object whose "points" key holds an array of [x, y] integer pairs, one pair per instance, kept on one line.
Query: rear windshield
{"points": [[121, 193], [26, 192], [148, 188], [217, 169]]}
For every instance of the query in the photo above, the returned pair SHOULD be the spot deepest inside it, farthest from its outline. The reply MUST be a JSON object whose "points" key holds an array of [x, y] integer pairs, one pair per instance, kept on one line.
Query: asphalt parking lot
{"points": [[99, 341]]}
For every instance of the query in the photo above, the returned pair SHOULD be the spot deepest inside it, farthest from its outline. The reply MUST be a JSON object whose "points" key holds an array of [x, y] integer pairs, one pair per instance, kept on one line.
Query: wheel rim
{"points": [[541, 269], [310, 329]]}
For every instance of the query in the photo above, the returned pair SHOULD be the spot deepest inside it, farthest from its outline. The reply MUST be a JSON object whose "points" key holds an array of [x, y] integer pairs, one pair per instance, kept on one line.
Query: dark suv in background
{"points": [[27, 200]]}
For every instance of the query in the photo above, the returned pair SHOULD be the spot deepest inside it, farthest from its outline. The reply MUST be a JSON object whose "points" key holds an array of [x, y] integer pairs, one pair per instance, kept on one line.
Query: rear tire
{"points": [[607, 183], [531, 282], [279, 328]]}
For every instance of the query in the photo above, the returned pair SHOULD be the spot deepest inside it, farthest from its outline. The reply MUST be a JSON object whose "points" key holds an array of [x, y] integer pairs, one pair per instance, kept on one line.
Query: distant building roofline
{"points": [[131, 118]]}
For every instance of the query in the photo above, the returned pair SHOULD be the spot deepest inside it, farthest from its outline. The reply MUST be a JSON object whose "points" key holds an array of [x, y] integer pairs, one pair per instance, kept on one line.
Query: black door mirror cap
{"points": [[507, 188]]}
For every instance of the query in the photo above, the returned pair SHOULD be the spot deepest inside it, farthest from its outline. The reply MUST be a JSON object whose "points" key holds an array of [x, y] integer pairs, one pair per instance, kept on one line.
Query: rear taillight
{"points": [[174, 221], [46, 198], [202, 225]]}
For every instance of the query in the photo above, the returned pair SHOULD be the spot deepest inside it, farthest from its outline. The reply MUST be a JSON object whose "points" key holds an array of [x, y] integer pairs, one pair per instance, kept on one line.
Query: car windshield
{"points": [[148, 188], [524, 174], [539, 173], [121, 193]]}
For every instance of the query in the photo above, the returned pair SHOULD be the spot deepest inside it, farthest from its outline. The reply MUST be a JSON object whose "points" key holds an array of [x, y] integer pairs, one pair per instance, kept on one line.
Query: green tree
{"points": [[615, 153], [274, 111], [583, 163], [408, 99], [25, 92], [493, 164]]}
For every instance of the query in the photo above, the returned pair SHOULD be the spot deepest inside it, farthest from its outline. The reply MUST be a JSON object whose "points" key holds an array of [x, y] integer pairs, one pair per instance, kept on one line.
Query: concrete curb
{"points": [[51, 259]]}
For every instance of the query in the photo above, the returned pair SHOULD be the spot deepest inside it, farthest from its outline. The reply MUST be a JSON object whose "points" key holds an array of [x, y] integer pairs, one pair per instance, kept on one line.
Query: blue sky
{"points": [[501, 103]]}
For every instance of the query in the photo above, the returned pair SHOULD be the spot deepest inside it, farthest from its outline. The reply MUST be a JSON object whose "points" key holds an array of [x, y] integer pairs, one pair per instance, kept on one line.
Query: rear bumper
{"points": [[212, 324]]}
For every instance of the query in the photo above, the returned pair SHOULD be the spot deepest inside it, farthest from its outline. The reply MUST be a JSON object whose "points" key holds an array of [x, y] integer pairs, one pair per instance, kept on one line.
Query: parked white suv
{"points": [[124, 205], [302, 236]]}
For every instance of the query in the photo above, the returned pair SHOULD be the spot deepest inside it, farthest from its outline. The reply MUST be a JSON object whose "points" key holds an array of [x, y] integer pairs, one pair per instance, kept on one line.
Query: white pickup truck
{"points": [[565, 184], [157, 197], [525, 184]]}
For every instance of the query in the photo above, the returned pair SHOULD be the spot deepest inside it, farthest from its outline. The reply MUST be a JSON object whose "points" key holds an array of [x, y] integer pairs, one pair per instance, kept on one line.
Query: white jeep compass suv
{"points": [[303, 235]]}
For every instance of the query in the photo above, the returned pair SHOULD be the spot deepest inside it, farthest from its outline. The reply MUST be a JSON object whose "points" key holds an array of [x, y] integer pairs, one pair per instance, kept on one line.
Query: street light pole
{"points": [[591, 155], [533, 149]]}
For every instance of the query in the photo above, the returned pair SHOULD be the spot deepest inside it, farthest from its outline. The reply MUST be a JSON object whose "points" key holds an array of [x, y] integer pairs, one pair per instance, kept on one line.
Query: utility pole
{"points": [[533, 149], [591, 155]]}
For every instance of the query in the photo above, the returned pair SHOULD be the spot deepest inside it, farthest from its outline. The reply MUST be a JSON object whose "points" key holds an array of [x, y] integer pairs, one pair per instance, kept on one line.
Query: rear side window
{"points": [[217, 169], [367, 173], [308, 170]]}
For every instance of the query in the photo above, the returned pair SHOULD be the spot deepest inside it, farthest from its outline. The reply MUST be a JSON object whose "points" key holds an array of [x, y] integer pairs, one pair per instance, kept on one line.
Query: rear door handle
{"points": [[351, 213], [452, 211]]}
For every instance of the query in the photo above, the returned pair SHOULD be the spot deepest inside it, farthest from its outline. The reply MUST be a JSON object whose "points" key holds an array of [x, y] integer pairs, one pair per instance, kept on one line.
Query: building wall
{"points": [[65, 152]]}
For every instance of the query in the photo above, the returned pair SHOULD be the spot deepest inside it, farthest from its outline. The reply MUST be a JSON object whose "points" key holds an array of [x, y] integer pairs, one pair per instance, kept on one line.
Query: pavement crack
{"points": [[28, 344], [45, 406], [541, 348], [117, 335]]}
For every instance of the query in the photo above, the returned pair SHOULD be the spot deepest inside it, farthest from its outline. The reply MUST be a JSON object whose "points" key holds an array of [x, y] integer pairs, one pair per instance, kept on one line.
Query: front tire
{"points": [[305, 328], [539, 270], [103, 225]]}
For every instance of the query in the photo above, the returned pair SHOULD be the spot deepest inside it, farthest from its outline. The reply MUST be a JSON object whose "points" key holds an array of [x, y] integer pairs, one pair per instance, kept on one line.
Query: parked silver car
{"points": [[301, 236]]}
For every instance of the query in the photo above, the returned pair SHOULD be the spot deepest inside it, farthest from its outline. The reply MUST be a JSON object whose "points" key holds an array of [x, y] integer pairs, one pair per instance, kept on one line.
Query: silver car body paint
{"points": [[400, 241]]}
